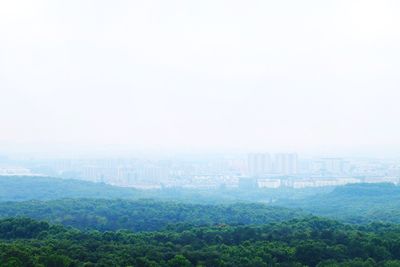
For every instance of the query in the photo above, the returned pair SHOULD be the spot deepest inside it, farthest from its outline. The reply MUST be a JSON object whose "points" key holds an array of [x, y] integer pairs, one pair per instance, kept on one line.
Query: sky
{"points": [[287, 75]]}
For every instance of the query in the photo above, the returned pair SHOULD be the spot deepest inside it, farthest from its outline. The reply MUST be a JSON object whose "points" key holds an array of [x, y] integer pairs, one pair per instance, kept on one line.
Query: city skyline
{"points": [[240, 171]]}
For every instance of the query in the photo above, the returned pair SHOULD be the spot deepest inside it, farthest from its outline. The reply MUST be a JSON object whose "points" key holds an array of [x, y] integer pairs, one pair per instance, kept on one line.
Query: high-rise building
{"points": [[259, 164], [331, 166], [286, 163]]}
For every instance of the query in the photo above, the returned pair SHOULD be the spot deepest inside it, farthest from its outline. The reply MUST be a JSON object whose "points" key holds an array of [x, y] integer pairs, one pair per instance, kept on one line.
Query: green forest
{"points": [[301, 242], [51, 223], [356, 203], [23, 188], [144, 215]]}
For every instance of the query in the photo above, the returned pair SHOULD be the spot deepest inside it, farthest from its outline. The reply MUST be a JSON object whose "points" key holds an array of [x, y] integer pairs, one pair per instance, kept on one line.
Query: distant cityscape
{"points": [[254, 170]]}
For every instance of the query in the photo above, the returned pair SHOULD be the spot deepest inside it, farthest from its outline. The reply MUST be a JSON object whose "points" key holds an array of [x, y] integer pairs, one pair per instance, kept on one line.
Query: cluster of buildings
{"points": [[264, 164], [286, 170], [14, 171], [255, 170], [260, 164]]}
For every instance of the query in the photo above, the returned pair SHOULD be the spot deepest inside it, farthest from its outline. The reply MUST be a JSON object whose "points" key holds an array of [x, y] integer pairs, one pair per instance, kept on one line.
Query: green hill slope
{"points": [[143, 215], [357, 203], [45, 188]]}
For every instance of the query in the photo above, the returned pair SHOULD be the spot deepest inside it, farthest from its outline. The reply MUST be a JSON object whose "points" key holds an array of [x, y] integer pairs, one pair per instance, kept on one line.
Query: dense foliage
{"points": [[46, 188], [24, 188], [356, 203], [116, 229], [143, 215], [312, 242]]}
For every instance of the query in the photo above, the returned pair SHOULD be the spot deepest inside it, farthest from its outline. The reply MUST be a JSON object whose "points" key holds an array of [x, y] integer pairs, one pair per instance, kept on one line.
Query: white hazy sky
{"points": [[251, 75]]}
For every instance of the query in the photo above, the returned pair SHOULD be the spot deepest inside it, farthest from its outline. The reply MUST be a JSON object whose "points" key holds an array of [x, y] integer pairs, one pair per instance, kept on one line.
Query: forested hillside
{"points": [[143, 215], [308, 242], [356, 203], [46, 188], [101, 225], [106, 207]]}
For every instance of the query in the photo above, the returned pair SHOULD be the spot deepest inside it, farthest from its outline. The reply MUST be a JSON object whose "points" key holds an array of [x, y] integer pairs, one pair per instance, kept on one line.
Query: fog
{"points": [[306, 76]]}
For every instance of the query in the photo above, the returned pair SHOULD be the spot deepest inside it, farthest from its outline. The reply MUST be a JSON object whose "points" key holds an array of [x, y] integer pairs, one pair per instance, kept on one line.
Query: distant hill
{"points": [[103, 207], [20, 188], [355, 203], [143, 215], [47, 188], [372, 190]]}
